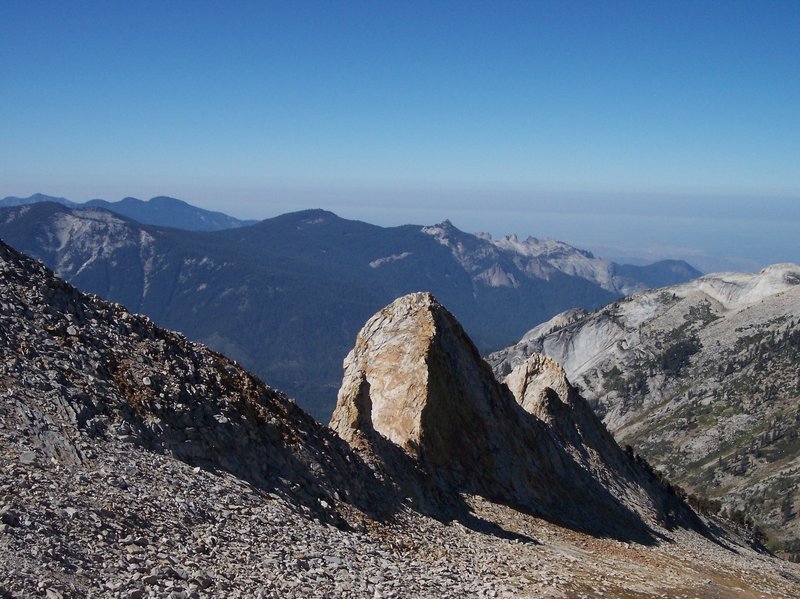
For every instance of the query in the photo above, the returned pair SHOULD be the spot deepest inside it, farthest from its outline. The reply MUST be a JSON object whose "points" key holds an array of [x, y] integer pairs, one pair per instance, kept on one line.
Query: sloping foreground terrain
{"points": [[307, 282], [703, 379], [135, 463]]}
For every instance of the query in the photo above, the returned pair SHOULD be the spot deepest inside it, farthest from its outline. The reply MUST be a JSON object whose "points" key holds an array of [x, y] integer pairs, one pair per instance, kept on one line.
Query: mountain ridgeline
{"points": [[286, 296], [161, 211]]}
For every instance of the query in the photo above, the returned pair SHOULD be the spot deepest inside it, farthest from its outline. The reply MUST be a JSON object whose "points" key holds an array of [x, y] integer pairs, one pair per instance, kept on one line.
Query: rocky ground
{"points": [[130, 523]]}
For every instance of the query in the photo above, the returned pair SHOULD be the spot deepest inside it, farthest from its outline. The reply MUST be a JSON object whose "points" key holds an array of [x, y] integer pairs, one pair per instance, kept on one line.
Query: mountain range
{"points": [[702, 379], [137, 463], [286, 296], [161, 211]]}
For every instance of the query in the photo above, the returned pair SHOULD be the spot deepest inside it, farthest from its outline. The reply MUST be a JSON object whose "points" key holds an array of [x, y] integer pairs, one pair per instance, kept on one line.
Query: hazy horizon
{"points": [[636, 130], [697, 230]]}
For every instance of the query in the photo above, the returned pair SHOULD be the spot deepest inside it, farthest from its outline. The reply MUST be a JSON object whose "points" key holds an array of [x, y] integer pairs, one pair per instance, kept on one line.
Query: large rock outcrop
{"points": [[415, 382]]}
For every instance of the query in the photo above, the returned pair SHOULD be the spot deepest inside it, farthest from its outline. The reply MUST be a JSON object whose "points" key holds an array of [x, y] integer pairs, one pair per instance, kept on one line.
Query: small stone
{"points": [[146, 381], [204, 582], [72, 331], [9, 517], [27, 457]]}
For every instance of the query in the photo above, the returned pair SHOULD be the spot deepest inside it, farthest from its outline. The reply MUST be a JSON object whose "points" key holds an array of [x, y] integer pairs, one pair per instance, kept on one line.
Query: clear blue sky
{"points": [[405, 109]]}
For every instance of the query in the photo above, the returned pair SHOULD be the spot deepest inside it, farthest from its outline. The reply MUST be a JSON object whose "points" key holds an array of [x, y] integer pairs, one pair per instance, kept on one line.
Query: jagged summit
{"points": [[416, 381], [509, 262]]}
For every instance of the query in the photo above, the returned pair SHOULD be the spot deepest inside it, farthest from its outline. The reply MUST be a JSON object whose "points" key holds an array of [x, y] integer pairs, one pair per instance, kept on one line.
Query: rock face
{"points": [[538, 382], [416, 382], [134, 463], [702, 379]]}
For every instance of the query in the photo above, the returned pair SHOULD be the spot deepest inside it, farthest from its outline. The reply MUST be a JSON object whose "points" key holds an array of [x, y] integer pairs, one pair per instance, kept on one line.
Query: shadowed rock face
{"points": [[415, 381], [541, 387]]}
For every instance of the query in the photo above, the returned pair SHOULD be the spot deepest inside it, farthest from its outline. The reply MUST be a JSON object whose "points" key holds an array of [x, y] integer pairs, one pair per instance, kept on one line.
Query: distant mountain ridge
{"points": [[287, 295], [161, 211], [507, 261]]}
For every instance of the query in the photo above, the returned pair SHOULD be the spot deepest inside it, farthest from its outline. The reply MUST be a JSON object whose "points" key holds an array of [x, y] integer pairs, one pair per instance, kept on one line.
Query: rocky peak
{"points": [[537, 384], [393, 379], [415, 382], [541, 387]]}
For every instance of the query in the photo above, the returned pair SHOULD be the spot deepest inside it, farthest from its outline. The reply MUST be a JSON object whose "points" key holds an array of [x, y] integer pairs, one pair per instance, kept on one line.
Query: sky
{"points": [[637, 129]]}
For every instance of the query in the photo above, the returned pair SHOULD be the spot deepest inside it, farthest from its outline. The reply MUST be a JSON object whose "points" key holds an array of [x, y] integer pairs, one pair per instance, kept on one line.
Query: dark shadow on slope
{"points": [[606, 516], [435, 491], [510, 456], [487, 527], [423, 492]]}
